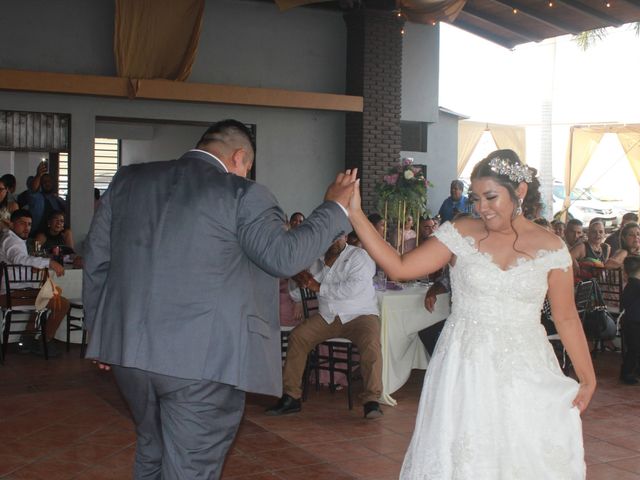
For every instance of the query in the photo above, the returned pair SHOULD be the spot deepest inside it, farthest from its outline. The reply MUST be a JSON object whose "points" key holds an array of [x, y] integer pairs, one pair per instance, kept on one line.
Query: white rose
{"points": [[408, 174]]}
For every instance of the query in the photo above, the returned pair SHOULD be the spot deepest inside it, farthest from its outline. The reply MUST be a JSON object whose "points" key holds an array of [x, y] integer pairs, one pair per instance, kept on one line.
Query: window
{"points": [[414, 136], [107, 161]]}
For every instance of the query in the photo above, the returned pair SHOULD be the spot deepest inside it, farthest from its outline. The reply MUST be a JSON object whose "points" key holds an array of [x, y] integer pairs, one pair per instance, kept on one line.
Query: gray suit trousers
{"points": [[184, 427]]}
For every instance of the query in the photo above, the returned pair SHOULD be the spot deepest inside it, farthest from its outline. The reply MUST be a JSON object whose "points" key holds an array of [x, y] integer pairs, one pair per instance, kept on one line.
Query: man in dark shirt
{"points": [[631, 321]]}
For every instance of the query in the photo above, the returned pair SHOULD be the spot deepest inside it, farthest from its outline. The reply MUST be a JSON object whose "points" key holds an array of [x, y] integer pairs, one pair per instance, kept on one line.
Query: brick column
{"points": [[374, 70]]}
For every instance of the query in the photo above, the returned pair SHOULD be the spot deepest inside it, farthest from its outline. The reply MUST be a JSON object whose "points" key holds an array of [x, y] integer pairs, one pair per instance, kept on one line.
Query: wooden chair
{"points": [[610, 282], [21, 286], [341, 357], [75, 323], [584, 299]]}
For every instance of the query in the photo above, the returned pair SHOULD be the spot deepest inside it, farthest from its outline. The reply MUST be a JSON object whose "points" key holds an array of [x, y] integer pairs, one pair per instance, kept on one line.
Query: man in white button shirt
{"points": [[343, 281], [13, 251]]}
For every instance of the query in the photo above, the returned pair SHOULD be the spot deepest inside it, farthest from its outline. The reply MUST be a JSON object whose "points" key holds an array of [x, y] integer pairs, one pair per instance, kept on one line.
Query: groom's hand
{"points": [[342, 188]]}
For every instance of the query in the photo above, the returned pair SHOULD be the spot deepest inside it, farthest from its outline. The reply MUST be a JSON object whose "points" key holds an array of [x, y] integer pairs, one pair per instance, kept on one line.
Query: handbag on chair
{"points": [[599, 324], [48, 291]]}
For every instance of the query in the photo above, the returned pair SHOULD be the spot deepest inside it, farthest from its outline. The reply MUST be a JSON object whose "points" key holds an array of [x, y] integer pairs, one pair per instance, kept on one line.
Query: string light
{"points": [[608, 4], [550, 4], [402, 32], [515, 11]]}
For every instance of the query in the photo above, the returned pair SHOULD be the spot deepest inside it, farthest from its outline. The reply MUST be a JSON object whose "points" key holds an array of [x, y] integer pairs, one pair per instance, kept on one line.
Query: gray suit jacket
{"points": [[180, 272]]}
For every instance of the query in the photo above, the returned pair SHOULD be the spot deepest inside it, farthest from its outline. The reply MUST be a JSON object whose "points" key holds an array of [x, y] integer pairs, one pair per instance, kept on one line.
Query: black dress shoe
{"points": [[285, 405], [372, 410], [629, 380]]}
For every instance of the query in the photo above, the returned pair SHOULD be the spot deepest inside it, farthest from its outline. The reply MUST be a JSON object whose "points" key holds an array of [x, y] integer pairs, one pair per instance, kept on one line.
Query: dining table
{"points": [[402, 316]]}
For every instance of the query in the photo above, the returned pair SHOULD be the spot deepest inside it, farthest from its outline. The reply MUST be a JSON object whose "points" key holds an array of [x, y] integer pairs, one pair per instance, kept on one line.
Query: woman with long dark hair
{"points": [[495, 403], [629, 245], [7, 207]]}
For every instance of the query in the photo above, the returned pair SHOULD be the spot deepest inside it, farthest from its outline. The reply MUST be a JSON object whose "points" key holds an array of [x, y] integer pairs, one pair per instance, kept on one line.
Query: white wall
{"points": [[168, 142], [441, 158], [420, 72], [242, 42]]}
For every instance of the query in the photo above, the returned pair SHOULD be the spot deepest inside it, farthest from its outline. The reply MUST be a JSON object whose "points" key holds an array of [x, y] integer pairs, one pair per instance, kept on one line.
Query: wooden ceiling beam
{"points": [[499, 23], [590, 12], [635, 3], [491, 36], [523, 9], [49, 82]]}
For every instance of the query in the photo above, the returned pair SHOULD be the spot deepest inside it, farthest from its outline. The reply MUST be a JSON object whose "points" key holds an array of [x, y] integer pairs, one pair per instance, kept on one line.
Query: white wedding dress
{"points": [[495, 404]]}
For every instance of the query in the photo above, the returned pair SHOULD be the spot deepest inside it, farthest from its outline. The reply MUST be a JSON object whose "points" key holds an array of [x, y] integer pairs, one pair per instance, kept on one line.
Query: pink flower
{"points": [[391, 179], [407, 161]]}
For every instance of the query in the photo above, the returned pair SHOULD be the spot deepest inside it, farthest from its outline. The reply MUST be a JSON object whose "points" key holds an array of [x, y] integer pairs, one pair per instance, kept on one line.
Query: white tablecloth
{"points": [[402, 316]]}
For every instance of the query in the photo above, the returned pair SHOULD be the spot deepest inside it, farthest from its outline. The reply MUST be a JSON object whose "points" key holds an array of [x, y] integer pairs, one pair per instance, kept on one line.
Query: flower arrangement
{"points": [[403, 191]]}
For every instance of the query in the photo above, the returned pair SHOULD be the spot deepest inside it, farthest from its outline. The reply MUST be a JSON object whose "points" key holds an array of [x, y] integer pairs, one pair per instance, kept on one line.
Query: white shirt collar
{"points": [[211, 155]]}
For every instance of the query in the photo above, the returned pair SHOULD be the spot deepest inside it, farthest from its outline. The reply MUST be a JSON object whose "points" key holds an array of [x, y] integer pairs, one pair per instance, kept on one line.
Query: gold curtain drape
{"points": [[630, 141], [508, 136], [284, 5], [156, 38], [469, 134], [505, 136], [431, 11]]}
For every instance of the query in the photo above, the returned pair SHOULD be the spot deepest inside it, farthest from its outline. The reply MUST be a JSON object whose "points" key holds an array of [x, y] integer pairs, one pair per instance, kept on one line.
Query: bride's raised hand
{"points": [[584, 396], [355, 203]]}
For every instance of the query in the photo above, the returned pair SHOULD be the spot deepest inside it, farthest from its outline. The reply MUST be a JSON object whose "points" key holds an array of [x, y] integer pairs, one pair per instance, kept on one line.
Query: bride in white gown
{"points": [[495, 404]]}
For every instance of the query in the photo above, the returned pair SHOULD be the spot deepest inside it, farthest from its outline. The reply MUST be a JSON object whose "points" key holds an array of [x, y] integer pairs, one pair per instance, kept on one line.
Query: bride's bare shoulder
{"points": [[470, 227], [544, 239]]}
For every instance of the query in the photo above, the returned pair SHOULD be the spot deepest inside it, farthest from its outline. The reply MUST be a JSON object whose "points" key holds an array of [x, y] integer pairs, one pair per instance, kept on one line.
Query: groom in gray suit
{"points": [[181, 297]]}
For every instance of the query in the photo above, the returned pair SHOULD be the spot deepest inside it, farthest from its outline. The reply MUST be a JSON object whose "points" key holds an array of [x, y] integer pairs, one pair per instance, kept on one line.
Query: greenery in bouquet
{"points": [[403, 191]]}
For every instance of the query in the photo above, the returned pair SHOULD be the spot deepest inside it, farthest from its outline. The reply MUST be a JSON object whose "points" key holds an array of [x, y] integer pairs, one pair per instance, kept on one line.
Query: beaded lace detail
{"points": [[495, 404]]}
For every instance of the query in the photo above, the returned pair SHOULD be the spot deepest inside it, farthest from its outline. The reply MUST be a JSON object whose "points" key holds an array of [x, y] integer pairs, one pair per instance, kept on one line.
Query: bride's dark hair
{"points": [[530, 204]]}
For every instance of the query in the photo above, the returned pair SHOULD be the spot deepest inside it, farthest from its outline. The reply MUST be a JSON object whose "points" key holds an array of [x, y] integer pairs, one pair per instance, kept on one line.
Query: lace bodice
{"points": [[481, 288], [495, 404]]}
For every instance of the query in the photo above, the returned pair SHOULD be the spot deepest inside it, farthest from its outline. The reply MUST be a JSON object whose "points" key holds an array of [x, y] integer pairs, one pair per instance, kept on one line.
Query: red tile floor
{"points": [[63, 419]]}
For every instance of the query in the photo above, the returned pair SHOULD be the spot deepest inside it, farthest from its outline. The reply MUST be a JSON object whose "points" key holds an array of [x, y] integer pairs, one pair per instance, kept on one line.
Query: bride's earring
{"points": [[519, 209]]}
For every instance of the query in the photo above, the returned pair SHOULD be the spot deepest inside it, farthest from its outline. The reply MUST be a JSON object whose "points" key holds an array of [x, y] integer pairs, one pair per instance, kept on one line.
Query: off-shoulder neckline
{"points": [[519, 261]]}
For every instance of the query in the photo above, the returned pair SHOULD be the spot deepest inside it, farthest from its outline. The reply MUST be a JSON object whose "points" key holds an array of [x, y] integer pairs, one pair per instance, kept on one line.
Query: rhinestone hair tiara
{"points": [[516, 172]]}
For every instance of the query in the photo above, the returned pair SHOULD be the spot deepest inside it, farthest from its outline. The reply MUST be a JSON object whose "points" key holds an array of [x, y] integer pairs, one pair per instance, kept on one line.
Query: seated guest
{"points": [[629, 245], [593, 252], [429, 336], [408, 235], [9, 181], [55, 235], [296, 219], [456, 203], [13, 251], [558, 227], [631, 321], [7, 206], [343, 281], [543, 222], [378, 222], [353, 240], [427, 227], [613, 240], [290, 310], [573, 233]]}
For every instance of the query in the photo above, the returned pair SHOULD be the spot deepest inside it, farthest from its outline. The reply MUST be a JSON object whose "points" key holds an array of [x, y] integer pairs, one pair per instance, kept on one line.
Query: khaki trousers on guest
{"points": [[57, 314], [363, 331]]}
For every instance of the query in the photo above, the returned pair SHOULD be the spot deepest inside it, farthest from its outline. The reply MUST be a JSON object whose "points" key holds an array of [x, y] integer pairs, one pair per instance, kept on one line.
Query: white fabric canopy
{"points": [[583, 141], [505, 136]]}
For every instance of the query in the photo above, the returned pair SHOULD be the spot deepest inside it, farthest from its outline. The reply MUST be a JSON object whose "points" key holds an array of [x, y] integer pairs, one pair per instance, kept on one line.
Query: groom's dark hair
{"points": [[223, 129]]}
